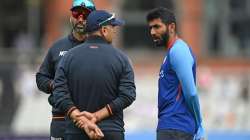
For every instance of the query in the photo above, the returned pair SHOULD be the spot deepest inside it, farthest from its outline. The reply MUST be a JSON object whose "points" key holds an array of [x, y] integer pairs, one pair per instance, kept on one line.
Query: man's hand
{"points": [[96, 116], [90, 116], [93, 131], [82, 122], [200, 135]]}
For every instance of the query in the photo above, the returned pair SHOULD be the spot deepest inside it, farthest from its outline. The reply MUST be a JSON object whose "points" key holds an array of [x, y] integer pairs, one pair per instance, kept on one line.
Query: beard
{"points": [[79, 28], [162, 41]]}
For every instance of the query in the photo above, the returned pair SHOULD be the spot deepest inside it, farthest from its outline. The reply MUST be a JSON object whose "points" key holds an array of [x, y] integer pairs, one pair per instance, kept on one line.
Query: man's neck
{"points": [[98, 34], [172, 39], [79, 37]]}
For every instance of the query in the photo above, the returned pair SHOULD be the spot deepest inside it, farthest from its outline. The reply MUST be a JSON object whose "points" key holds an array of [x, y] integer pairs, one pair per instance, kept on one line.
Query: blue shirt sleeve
{"points": [[182, 63]]}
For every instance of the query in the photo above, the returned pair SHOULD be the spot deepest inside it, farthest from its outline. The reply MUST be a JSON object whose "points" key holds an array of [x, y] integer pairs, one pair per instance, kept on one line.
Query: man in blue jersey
{"points": [[179, 116]]}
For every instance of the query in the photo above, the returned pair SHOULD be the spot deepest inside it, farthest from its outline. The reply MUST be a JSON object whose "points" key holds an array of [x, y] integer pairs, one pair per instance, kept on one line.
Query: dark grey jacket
{"points": [[46, 73], [91, 76]]}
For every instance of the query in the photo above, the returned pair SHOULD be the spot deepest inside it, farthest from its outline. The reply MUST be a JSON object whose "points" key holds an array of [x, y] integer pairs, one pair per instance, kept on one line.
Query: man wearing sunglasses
{"points": [[97, 79], [44, 77]]}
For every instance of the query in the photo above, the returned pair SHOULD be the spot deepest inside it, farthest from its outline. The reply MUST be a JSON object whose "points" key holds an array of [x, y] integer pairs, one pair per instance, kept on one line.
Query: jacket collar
{"points": [[96, 39]]}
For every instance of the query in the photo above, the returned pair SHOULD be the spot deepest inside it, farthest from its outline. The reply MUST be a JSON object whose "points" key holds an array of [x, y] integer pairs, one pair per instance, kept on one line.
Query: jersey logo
{"points": [[161, 74], [53, 138], [93, 47], [62, 53]]}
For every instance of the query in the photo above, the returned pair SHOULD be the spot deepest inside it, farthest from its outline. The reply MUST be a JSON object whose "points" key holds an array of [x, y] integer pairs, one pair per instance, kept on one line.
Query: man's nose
{"points": [[152, 31], [80, 18]]}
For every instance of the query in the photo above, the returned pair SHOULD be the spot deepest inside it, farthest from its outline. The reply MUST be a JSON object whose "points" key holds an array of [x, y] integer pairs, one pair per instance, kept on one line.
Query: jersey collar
{"points": [[171, 42]]}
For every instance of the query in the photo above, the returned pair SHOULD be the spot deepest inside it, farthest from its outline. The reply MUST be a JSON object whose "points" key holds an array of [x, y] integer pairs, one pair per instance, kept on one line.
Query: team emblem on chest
{"points": [[62, 53]]}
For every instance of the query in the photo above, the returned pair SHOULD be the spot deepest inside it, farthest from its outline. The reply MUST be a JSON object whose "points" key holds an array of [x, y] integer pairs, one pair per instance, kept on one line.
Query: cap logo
{"points": [[83, 4], [110, 18]]}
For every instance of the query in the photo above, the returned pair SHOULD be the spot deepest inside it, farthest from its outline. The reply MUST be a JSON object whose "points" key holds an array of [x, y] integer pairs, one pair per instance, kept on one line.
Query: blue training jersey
{"points": [[176, 84]]}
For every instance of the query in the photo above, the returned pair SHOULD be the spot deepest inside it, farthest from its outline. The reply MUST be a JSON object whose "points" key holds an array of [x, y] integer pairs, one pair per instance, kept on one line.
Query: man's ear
{"points": [[104, 30], [172, 27]]}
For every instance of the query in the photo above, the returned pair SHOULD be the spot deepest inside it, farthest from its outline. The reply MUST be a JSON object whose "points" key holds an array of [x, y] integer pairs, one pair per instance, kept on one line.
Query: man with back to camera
{"points": [[95, 82], [179, 116], [44, 77]]}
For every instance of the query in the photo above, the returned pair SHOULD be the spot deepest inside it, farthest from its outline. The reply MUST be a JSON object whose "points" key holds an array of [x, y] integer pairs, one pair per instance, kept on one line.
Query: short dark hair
{"points": [[166, 15]]}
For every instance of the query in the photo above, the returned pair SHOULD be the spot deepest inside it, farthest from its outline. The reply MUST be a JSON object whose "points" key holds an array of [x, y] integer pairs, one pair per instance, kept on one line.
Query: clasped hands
{"points": [[87, 122]]}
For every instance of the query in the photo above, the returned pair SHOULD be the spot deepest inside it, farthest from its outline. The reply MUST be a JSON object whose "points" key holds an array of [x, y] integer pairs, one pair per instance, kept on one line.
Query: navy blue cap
{"points": [[99, 18]]}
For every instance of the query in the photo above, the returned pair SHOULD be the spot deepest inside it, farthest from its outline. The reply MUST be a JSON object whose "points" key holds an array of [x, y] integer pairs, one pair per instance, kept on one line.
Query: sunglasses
{"points": [[79, 12]]}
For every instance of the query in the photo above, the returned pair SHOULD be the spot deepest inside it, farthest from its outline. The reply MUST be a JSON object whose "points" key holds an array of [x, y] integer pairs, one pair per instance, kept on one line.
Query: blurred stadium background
{"points": [[217, 30]]}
